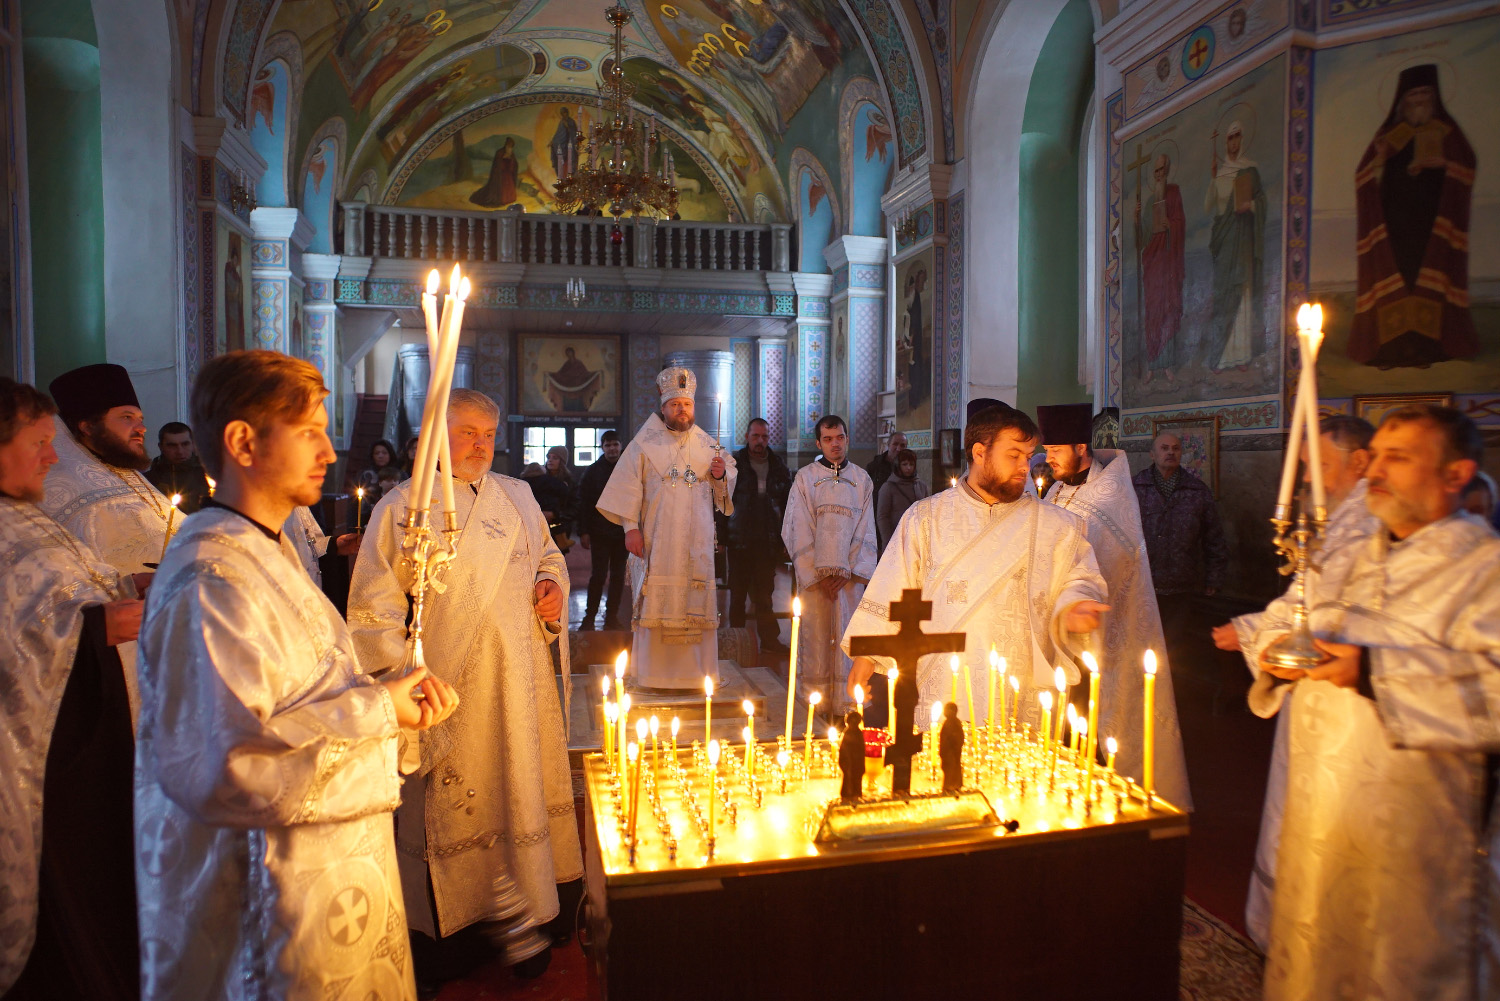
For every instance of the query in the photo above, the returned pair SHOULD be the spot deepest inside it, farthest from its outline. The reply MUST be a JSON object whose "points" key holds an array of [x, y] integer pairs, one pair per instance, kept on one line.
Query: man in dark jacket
{"points": [[604, 540], [883, 466], [1184, 539], [755, 549]]}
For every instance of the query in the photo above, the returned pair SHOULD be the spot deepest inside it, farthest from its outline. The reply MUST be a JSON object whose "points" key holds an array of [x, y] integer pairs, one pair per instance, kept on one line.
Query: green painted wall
{"points": [[1062, 84], [63, 159]]}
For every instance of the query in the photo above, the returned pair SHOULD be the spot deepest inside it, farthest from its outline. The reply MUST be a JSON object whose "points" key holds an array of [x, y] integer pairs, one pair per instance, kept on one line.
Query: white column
{"points": [[279, 236], [858, 267]]}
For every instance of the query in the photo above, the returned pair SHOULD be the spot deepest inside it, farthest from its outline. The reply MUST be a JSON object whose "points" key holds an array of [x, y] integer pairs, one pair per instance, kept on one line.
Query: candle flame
{"points": [[433, 278], [213, 484], [895, 673], [833, 735], [176, 499], [953, 482], [463, 290], [937, 712], [713, 752], [1046, 700], [1015, 682], [797, 607], [1089, 661], [632, 751], [1111, 745], [994, 659], [625, 702], [859, 695], [749, 707], [676, 725], [1038, 484], [1150, 660], [815, 698], [1081, 724], [747, 733], [953, 663], [708, 686], [620, 662], [655, 725], [453, 280], [641, 728], [1072, 716], [782, 757], [1060, 680], [611, 711], [605, 685], [359, 492]]}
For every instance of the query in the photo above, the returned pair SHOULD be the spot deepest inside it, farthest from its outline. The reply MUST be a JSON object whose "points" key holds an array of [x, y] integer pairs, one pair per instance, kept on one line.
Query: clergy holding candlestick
{"points": [[1009, 571], [501, 764], [1095, 485]]}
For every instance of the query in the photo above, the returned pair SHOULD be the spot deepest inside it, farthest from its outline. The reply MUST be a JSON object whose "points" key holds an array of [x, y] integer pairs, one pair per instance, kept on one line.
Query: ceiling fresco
{"points": [[428, 91]]}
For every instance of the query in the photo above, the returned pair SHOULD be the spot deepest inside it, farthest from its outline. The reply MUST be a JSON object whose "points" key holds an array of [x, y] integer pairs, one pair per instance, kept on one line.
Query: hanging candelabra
{"points": [[621, 166], [575, 291]]}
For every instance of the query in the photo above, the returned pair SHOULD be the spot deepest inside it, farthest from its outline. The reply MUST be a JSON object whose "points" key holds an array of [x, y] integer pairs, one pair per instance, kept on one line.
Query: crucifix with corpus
{"points": [[906, 647]]}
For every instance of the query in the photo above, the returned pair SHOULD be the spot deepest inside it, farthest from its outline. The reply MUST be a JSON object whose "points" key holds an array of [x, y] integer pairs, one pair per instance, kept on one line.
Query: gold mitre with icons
{"points": [[676, 384]]}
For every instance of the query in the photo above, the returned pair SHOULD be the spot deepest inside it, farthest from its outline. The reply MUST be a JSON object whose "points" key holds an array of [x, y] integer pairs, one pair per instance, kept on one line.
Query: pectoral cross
{"points": [[906, 647]]}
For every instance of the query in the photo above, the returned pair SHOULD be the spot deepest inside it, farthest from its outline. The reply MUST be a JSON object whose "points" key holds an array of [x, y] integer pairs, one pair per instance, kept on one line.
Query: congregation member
{"points": [[1095, 485], [68, 904], [755, 548], [1184, 538], [266, 761], [664, 491], [1015, 575], [830, 534], [176, 469], [898, 493], [97, 490], [312, 544], [883, 466], [492, 798], [1345, 456], [604, 540], [1385, 884]]}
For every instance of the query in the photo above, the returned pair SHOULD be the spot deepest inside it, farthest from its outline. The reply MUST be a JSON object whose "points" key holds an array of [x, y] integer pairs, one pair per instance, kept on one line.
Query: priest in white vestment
{"points": [[493, 792], [68, 904], [1345, 457], [665, 488], [266, 763], [312, 545], [97, 489], [1096, 486], [1011, 572], [1386, 879], [829, 530]]}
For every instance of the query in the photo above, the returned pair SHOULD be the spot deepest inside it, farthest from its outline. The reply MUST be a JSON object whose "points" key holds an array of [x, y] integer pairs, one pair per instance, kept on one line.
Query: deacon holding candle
{"points": [[493, 625], [1095, 484]]}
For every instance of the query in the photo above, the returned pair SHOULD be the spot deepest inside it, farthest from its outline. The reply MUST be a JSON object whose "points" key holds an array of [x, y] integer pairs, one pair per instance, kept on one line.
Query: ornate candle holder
{"points": [[1296, 650], [427, 556]]}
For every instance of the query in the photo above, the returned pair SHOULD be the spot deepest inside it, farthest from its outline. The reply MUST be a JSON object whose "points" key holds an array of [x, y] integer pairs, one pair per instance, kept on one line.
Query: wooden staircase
{"points": [[369, 425]]}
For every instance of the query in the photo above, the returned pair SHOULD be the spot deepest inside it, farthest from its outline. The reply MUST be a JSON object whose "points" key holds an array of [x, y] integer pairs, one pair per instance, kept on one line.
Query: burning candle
{"points": [[633, 753], [171, 516], [749, 737], [953, 666], [213, 484], [1093, 723], [996, 670], [953, 483], [791, 671], [676, 725], [1071, 733], [1311, 334], [1039, 486], [1148, 760], [611, 714], [1015, 701], [1060, 680], [624, 734], [859, 698], [890, 688], [749, 708], [812, 703], [1110, 747], [1080, 733], [655, 748], [783, 758], [359, 506], [1045, 698], [708, 706], [969, 691]]}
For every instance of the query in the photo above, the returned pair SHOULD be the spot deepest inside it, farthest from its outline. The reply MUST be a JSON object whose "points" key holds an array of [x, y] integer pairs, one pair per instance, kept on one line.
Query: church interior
{"points": [[808, 222]]}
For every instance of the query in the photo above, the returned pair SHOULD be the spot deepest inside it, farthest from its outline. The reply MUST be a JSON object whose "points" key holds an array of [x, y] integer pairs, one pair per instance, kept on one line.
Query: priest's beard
{"points": [[113, 450], [1007, 491], [1069, 469], [681, 424]]}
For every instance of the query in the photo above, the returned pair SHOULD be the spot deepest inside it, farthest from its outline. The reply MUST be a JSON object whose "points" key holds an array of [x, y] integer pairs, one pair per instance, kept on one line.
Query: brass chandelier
{"points": [[613, 169]]}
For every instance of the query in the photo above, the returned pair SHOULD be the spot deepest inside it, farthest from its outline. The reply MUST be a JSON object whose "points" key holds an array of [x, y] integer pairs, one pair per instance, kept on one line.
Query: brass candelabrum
{"points": [[427, 555], [1298, 544]]}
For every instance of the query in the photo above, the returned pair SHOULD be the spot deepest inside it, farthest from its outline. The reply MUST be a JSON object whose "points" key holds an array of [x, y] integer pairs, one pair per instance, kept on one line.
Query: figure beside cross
{"points": [[906, 647]]}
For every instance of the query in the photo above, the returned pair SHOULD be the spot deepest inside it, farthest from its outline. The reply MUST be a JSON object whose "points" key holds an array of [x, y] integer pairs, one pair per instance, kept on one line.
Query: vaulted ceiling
{"points": [[464, 103]]}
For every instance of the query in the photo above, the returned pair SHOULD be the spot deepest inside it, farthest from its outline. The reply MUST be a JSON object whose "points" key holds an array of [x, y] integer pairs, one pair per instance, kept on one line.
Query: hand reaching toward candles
{"points": [[1084, 616], [549, 600]]}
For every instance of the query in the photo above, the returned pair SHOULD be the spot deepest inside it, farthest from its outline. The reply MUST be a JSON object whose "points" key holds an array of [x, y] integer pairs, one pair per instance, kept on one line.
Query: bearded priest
{"points": [[669, 481], [493, 794], [68, 907], [1095, 485], [97, 489], [1015, 574], [266, 766]]}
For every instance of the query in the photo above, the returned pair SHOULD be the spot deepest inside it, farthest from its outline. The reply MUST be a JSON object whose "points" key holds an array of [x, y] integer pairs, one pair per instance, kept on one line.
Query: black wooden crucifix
{"points": [[906, 647]]}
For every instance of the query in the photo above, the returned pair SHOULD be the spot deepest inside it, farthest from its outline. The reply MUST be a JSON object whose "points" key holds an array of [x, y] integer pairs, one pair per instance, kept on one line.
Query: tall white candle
{"points": [[1312, 341], [791, 671]]}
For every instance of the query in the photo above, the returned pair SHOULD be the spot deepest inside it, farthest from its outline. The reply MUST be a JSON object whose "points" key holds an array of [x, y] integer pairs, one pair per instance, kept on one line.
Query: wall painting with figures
{"points": [[915, 301], [1405, 252], [1201, 289], [838, 360], [569, 376]]}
